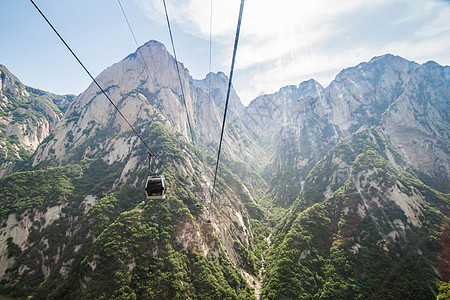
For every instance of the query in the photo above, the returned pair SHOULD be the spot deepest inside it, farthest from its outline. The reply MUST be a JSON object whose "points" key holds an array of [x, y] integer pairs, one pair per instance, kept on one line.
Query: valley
{"points": [[336, 192]]}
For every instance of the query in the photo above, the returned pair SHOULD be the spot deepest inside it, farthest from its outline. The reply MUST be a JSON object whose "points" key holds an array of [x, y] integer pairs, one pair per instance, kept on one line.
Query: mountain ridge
{"points": [[313, 182]]}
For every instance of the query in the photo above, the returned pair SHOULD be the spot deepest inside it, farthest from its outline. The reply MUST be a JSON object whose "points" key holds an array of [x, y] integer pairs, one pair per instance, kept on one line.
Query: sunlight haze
{"points": [[281, 43]]}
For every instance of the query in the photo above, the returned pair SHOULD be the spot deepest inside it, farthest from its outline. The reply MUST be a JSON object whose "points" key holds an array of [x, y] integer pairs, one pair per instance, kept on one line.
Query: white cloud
{"points": [[438, 26], [283, 42], [321, 66], [194, 15]]}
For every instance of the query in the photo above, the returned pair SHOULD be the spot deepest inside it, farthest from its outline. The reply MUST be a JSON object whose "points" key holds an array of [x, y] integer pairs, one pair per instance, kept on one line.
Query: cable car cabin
{"points": [[156, 187]]}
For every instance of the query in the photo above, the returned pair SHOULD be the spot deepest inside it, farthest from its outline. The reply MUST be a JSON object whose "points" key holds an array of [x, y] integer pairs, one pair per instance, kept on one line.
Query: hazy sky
{"points": [[282, 42]]}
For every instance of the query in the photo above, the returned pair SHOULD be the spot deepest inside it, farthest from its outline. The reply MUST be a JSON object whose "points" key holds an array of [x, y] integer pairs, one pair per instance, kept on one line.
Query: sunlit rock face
{"points": [[346, 162], [145, 87], [28, 116], [93, 137], [418, 123], [409, 101]]}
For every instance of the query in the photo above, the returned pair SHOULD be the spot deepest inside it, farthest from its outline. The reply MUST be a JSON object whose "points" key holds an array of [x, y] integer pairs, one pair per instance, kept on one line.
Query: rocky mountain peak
{"points": [[378, 68], [27, 117], [341, 167], [217, 85], [388, 58], [11, 84], [310, 88], [219, 76], [145, 86], [417, 122], [150, 67], [359, 95], [154, 43]]}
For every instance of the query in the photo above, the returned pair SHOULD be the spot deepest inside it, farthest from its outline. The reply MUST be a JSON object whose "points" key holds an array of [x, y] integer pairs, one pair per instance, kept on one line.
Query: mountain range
{"points": [[337, 192]]}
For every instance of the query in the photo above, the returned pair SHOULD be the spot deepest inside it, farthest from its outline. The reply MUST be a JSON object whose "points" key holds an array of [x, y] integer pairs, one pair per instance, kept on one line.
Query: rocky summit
{"points": [[337, 192]]}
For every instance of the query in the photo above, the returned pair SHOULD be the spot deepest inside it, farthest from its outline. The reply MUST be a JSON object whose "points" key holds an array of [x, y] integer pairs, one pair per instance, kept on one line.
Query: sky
{"points": [[282, 42]]}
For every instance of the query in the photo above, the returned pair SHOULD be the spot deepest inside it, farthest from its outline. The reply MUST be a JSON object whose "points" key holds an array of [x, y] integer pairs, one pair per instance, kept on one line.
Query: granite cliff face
{"points": [[350, 167], [418, 122], [95, 154], [144, 86], [268, 115], [313, 180], [28, 116], [407, 100]]}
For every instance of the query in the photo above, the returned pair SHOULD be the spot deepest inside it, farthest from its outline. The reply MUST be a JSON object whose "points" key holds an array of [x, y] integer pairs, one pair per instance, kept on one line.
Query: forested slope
{"points": [[369, 237], [322, 193], [82, 240]]}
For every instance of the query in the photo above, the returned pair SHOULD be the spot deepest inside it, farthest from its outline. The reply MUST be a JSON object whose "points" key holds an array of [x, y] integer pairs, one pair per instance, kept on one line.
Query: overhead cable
{"points": [[236, 40], [137, 45], [178, 71], [210, 46], [95, 81]]}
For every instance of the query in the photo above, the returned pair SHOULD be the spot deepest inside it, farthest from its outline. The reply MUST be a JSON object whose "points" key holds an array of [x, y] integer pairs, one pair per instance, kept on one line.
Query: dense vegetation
{"points": [[354, 243], [125, 246], [330, 213], [358, 244], [27, 107]]}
